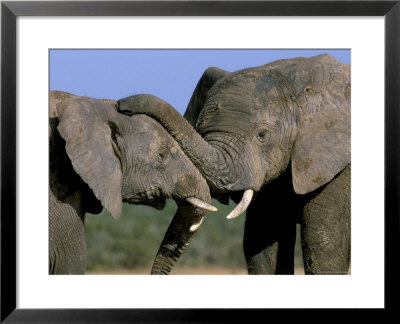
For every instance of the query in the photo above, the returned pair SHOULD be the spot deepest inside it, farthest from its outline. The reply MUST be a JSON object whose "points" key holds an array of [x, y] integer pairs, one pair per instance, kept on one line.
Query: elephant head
{"points": [[133, 160], [244, 129]]}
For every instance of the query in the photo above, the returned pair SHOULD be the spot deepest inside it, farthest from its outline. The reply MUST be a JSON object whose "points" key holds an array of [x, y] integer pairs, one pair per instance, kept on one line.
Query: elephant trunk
{"points": [[215, 162], [210, 160], [187, 220], [179, 235]]}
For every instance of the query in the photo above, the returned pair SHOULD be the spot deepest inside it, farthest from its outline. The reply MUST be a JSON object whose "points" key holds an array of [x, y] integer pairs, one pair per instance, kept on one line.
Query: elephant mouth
{"points": [[153, 198], [158, 203]]}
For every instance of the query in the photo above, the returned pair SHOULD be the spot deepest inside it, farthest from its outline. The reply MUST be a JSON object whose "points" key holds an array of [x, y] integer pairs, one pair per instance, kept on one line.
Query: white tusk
{"points": [[194, 227], [201, 204], [242, 206]]}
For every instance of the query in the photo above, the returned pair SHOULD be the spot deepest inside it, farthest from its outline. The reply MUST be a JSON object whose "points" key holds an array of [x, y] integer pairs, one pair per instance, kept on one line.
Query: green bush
{"points": [[131, 242]]}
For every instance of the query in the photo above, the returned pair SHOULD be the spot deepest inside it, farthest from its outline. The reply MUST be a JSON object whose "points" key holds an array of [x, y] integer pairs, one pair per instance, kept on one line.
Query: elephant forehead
{"points": [[147, 125], [143, 123], [143, 146], [249, 88], [249, 98], [150, 141], [243, 81], [146, 135]]}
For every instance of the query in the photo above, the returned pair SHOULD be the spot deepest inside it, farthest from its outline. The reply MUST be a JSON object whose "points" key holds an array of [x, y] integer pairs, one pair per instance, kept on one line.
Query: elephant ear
{"points": [[55, 98], [322, 148], [84, 125], [196, 103]]}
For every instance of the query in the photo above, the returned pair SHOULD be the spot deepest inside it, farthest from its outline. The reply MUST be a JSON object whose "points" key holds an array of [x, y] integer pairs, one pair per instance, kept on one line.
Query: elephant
{"points": [[100, 158], [279, 136]]}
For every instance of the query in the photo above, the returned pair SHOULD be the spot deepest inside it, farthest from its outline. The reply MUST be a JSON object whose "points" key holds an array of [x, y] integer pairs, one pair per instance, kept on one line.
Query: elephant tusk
{"points": [[242, 206], [201, 204], [194, 227]]}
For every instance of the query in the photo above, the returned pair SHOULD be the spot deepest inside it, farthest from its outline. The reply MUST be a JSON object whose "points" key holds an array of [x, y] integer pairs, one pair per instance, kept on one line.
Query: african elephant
{"points": [[281, 131], [100, 158]]}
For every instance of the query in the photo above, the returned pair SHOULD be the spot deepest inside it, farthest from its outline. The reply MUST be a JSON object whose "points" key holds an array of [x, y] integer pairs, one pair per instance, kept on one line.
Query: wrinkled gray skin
{"points": [[98, 158], [282, 130]]}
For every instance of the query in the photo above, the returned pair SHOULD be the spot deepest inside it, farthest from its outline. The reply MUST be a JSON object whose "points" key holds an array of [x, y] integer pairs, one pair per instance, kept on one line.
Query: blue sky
{"points": [[171, 75]]}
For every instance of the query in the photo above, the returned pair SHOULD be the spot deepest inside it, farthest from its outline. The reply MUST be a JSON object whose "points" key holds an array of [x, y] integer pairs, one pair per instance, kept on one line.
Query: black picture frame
{"points": [[10, 10]]}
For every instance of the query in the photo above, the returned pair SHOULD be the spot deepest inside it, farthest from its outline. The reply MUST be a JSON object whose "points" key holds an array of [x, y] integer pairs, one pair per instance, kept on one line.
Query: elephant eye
{"points": [[261, 135], [161, 157]]}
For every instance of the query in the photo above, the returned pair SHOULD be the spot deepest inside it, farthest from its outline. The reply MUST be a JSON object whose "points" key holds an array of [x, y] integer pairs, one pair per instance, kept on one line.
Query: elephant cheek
{"points": [[278, 163], [138, 185], [277, 155]]}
